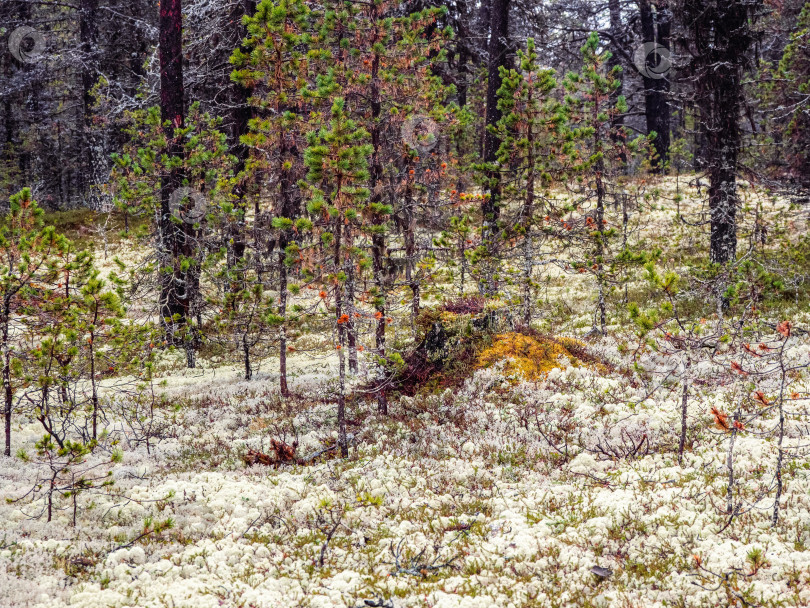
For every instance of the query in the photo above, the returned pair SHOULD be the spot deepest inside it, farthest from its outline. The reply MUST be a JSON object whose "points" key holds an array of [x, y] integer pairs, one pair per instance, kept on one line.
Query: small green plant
{"points": [[68, 474], [756, 559]]}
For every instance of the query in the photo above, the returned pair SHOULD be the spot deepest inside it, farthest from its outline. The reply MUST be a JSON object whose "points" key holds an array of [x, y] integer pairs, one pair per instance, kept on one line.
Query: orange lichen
{"points": [[531, 357]]}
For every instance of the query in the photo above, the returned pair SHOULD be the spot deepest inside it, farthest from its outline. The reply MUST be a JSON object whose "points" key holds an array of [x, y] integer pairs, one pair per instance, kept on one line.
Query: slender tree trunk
{"points": [[175, 297], [7, 375], [528, 214], [699, 160], [341, 413], [10, 154], [343, 442], [655, 27], [377, 249], [462, 87], [93, 149], [684, 411], [341, 409], [351, 337], [780, 453], [600, 227], [730, 468], [246, 357], [241, 112], [289, 210], [463, 258], [615, 11], [490, 207], [93, 382], [50, 495], [721, 35], [410, 255], [378, 238], [282, 309]]}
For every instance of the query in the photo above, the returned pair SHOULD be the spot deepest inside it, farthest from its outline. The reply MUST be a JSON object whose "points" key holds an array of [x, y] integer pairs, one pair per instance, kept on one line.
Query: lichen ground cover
{"points": [[455, 500]]}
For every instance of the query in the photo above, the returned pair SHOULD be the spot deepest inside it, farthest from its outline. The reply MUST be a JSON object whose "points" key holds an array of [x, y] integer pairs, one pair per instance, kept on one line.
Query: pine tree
{"points": [[532, 140], [595, 158], [174, 242], [793, 82], [202, 208], [458, 238], [274, 65], [393, 58], [337, 162], [491, 205], [30, 257], [719, 39]]}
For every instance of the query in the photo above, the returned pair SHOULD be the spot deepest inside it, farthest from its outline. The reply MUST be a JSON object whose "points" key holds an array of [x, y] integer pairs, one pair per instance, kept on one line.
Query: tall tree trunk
{"points": [[599, 169], [490, 208], [684, 408], [655, 27], [94, 154], [8, 395], [600, 252], [410, 254], [698, 141], [246, 357], [378, 237], [241, 112], [528, 216], [341, 328], [343, 442], [174, 297], [93, 387], [462, 88], [8, 127], [282, 310], [615, 10], [351, 336], [377, 253], [290, 210], [722, 37]]}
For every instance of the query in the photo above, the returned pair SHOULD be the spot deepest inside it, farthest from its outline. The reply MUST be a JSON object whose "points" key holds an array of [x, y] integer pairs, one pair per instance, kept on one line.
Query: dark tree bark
{"points": [[720, 37], [241, 113], [290, 208], [7, 392], [289, 161], [175, 296], [378, 237], [93, 152], [8, 121], [498, 50], [616, 27], [655, 27]]}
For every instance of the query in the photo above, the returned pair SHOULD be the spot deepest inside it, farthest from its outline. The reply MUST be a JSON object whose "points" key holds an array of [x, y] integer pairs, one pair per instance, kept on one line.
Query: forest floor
{"points": [[564, 490]]}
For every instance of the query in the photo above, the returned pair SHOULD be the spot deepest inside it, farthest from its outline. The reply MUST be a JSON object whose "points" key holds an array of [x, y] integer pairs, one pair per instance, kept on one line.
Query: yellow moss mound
{"points": [[531, 357]]}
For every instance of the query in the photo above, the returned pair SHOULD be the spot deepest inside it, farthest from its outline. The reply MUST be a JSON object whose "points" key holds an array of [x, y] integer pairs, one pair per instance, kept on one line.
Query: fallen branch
{"points": [[417, 565], [285, 454]]}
